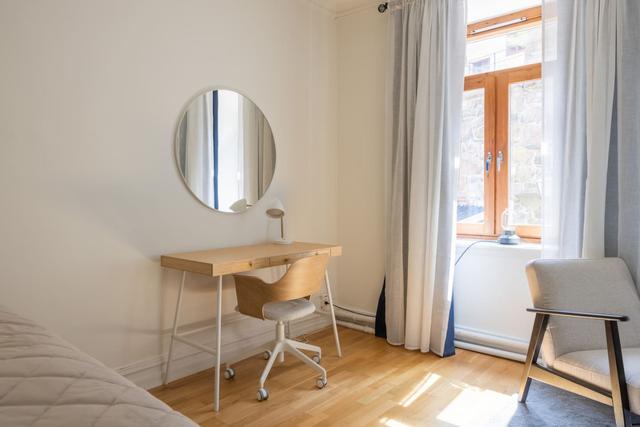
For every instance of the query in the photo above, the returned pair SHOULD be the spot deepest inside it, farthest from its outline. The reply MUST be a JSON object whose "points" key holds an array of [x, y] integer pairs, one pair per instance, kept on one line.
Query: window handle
{"points": [[487, 163], [499, 160]]}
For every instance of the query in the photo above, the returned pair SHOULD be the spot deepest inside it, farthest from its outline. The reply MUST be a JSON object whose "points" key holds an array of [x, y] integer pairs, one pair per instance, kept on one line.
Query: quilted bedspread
{"points": [[45, 381]]}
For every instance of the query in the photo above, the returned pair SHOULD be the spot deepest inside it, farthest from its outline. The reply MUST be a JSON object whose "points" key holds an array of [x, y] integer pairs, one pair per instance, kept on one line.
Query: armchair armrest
{"points": [[579, 314]]}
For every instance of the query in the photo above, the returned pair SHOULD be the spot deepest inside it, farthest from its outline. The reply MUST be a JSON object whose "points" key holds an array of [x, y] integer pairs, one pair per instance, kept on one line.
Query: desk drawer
{"points": [[288, 259], [239, 266]]}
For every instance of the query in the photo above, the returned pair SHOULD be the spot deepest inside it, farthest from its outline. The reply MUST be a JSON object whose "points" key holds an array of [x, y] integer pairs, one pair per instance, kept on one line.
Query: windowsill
{"points": [[490, 238], [529, 248]]}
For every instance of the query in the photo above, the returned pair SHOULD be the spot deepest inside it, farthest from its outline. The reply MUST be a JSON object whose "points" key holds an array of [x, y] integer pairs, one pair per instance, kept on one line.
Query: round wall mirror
{"points": [[225, 150]]}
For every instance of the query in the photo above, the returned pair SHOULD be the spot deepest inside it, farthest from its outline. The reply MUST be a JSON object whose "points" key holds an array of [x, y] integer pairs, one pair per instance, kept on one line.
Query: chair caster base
{"points": [[321, 383], [263, 394], [229, 373]]}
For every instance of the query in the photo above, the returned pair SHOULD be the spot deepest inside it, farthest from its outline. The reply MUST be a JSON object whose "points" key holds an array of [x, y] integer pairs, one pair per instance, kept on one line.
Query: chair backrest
{"points": [[302, 279], [590, 285]]}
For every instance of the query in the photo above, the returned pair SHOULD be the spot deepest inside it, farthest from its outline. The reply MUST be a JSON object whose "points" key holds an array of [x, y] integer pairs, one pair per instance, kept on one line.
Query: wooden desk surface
{"points": [[217, 262]]}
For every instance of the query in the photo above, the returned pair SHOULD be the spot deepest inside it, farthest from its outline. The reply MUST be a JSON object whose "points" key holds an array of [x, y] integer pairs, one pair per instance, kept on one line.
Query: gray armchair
{"points": [[584, 349]]}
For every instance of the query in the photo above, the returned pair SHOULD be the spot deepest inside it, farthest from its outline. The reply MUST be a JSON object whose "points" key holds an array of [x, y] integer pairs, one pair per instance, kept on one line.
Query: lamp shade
{"points": [[508, 236], [275, 209]]}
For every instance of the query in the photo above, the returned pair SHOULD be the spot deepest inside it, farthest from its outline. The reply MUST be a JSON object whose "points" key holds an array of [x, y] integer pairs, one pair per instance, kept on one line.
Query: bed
{"points": [[45, 381]]}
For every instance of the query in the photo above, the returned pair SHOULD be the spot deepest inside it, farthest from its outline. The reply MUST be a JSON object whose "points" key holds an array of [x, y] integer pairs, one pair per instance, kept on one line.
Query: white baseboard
{"points": [[242, 337], [355, 317], [490, 351], [486, 342], [356, 326]]}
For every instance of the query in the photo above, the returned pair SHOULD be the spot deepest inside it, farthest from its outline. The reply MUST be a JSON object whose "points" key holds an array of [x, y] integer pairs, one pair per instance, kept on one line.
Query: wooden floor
{"points": [[373, 384]]}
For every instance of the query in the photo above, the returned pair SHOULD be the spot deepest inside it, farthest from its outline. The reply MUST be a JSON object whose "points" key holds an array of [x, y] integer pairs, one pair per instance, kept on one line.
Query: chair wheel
{"points": [[321, 382], [266, 355], [229, 373], [316, 358], [263, 394]]}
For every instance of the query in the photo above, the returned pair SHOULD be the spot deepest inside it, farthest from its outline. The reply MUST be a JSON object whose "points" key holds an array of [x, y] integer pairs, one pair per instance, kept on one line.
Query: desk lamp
{"points": [[276, 211]]}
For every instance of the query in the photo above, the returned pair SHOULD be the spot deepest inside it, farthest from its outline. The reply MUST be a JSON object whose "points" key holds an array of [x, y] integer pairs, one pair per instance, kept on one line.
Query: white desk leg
{"points": [[216, 391], [287, 326], [174, 331], [333, 314]]}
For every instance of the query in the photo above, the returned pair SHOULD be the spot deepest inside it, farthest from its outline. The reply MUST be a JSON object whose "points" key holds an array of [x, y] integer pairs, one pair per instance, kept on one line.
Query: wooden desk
{"points": [[219, 262]]}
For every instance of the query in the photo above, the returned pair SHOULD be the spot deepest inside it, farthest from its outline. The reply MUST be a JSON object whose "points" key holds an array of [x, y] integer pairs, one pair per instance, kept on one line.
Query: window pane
{"points": [[470, 206], [525, 141], [521, 46]]}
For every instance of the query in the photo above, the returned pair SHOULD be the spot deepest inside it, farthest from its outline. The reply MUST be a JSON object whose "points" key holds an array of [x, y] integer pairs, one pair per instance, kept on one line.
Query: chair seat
{"points": [[592, 366], [288, 310]]}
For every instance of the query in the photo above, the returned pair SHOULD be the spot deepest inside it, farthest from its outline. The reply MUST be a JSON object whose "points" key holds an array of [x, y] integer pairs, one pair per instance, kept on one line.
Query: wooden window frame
{"points": [[503, 23], [496, 133], [487, 82], [504, 79]]}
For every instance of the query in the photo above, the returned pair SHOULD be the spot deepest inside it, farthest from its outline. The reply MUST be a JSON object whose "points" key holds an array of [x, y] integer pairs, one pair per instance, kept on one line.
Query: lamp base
{"points": [[282, 242], [509, 237]]}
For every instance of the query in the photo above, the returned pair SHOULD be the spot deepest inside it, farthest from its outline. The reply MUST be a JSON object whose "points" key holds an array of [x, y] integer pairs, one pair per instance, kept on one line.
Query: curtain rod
{"points": [[395, 4]]}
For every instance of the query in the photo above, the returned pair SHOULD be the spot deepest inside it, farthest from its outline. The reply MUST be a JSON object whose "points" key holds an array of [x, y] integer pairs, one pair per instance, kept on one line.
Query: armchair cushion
{"points": [[590, 285], [592, 366]]}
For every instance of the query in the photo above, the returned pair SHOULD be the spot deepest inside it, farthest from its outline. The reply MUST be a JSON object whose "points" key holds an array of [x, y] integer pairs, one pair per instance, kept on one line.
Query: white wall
{"points": [[90, 95], [361, 195]]}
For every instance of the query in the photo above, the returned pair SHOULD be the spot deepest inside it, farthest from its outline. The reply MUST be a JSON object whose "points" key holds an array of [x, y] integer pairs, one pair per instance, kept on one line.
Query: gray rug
{"points": [[549, 406]]}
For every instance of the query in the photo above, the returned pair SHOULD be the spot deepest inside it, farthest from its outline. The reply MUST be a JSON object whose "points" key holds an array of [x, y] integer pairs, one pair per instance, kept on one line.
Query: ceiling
{"points": [[342, 6]]}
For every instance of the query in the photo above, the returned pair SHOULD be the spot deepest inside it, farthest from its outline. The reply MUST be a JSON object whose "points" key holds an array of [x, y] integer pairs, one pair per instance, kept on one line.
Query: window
{"points": [[500, 160]]}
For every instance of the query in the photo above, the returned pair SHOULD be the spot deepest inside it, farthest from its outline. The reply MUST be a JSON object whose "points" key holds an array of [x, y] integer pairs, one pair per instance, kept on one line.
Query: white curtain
{"points": [[258, 155], [427, 45], [592, 129]]}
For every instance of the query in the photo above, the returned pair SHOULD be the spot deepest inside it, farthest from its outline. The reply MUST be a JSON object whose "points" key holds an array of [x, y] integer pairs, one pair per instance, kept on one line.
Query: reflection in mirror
{"points": [[225, 150]]}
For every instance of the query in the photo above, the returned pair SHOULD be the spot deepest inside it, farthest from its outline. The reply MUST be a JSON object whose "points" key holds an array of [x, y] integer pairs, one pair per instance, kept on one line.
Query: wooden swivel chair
{"points": [[284, 301]]}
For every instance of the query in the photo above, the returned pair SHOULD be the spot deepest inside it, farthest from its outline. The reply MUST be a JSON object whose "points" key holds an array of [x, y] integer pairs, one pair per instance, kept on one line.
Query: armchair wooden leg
{"points": [[619, 395], [537, 335]]}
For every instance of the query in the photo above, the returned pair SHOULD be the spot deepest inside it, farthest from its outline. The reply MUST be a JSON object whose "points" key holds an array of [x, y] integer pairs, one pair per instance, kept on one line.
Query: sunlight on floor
{"points": [[476, 407], [419, 390], [388, 422], [472, 406]]}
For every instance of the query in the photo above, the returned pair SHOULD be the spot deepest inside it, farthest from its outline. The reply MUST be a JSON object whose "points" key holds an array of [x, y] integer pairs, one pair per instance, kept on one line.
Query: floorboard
{"points": [[373, 384]]}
